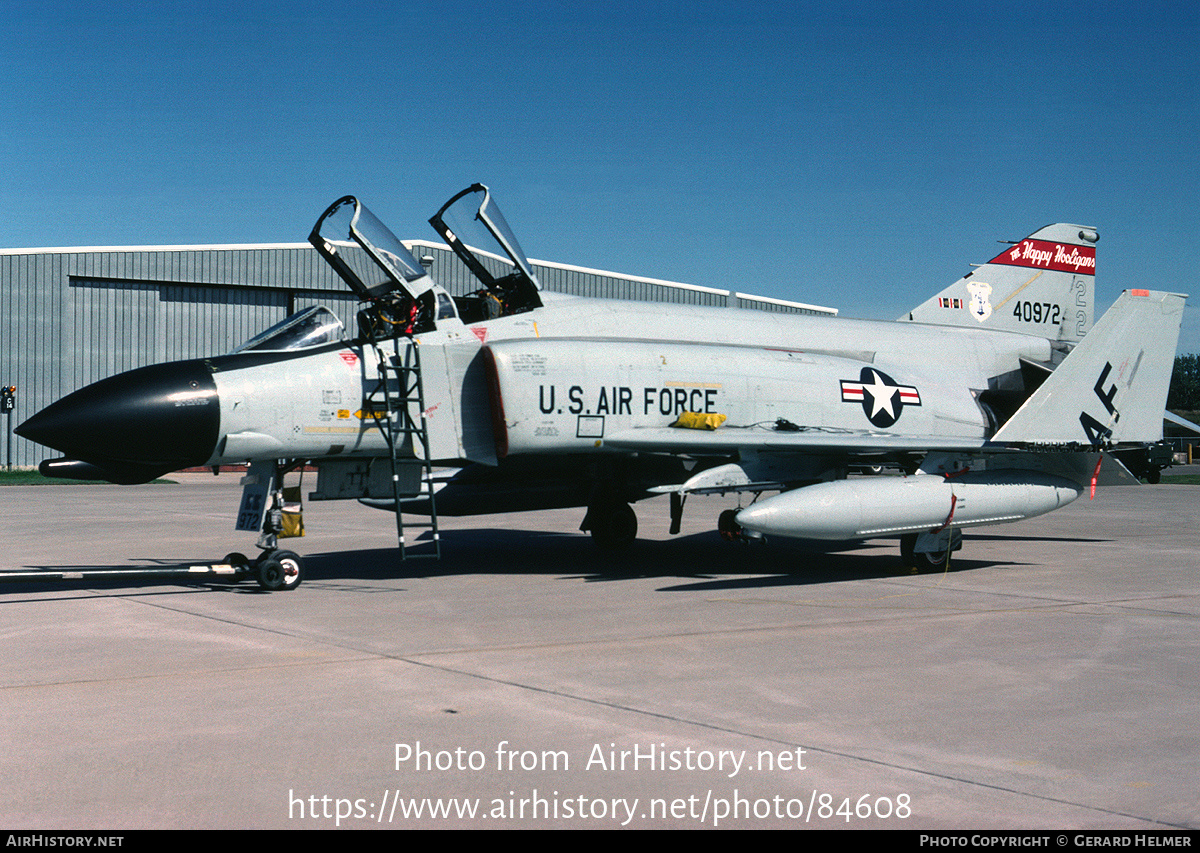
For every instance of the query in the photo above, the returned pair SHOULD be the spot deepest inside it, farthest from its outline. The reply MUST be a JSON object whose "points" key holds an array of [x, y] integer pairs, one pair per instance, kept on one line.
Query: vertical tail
{"points": [[1044, 285], [1112, 388]]}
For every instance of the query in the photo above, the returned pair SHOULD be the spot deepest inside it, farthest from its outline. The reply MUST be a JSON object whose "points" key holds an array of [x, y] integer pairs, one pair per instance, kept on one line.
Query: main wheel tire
{"points": [[280, 571], [920, 561], [614, 526], [932, 560]]}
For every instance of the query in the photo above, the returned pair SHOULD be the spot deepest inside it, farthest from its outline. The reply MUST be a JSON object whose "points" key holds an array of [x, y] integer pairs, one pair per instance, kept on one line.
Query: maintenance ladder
{"points": [[398, 393]]}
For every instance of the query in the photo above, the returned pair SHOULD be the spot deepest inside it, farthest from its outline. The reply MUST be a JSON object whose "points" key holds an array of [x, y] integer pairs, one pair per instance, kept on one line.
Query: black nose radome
{"points": [[164, 416]]}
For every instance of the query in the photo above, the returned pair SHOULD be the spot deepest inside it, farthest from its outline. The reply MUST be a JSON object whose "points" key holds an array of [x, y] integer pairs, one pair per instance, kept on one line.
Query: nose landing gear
{"points": [[279, 570], [264, 508], [275, 570]]}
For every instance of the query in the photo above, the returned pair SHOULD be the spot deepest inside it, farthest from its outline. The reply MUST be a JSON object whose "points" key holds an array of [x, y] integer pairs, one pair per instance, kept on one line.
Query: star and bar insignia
{"points": [[882, 398]]}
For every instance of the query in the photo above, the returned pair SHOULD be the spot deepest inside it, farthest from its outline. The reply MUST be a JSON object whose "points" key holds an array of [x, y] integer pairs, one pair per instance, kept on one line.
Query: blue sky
{"points": [[852, 155]]}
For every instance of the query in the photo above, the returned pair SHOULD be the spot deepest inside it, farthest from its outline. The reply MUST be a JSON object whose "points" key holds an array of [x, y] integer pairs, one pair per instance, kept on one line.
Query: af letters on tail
{"points": [[515, 398]]}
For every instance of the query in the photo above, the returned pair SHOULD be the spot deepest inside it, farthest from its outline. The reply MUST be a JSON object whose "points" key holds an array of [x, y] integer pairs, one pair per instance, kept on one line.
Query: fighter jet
{"points": [[993, 401]]}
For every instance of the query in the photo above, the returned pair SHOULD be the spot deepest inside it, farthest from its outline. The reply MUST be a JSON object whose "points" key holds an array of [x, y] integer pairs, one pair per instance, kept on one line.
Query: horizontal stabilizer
{"points": [[1183, 422]]}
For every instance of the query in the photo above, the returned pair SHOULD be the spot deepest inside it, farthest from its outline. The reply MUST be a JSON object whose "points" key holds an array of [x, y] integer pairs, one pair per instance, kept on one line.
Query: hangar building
{"points": [[69, 317]]}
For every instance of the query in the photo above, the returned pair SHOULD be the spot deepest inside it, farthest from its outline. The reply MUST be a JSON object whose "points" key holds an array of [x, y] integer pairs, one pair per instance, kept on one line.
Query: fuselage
{"points": [[557, 379], [566, 376], [562, 377]]}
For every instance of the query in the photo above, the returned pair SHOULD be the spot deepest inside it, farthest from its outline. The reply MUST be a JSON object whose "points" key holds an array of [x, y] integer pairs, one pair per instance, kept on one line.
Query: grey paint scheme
{"points": [[768, 366], [285, 413], [806, 397], [69, 317]]}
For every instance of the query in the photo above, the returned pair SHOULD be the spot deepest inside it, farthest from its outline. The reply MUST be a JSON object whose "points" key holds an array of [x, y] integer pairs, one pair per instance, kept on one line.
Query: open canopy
{"points": [[473, 226]]}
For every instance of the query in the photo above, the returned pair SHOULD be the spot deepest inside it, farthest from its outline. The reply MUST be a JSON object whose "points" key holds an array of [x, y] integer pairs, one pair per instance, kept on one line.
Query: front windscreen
{"points": [[311, 327]]}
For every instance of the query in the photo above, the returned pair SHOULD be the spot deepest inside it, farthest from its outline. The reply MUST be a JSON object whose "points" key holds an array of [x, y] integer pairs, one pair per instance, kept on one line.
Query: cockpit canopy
{"points": [[399, 296], [305, 329], [368, 257], [473, 226]]}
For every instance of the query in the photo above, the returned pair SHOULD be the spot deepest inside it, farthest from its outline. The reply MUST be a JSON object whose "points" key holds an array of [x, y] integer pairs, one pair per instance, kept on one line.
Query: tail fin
{"points": [[1113, 385], [1044, 286]]}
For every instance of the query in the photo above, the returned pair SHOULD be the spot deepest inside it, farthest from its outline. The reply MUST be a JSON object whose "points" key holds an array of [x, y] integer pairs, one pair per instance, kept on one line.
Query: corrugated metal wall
{"points": [[563, 278], [453, 275], [69, 317]]}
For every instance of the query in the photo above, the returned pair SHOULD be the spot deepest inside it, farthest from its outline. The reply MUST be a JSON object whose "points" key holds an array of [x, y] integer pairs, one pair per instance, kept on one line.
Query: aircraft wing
{"points": [[731, 439]]}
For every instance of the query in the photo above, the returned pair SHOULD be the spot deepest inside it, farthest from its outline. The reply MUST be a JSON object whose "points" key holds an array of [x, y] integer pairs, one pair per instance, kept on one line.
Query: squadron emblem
{"points": [[980, 302]]}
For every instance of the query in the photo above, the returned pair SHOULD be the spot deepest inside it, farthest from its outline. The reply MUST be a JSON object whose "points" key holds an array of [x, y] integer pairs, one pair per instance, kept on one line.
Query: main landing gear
{"points": [[924, 552], [731, 531], [612, 523], [728, 527]]}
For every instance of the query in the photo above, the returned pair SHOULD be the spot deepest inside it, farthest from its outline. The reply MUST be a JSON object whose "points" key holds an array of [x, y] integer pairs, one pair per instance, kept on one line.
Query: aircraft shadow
{"points": [[127, 580], [992, 537], [700, 561]]}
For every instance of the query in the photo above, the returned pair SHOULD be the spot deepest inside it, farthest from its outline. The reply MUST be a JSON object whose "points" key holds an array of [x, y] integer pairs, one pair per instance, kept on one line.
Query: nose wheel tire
{"points": [[279, 571]]}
